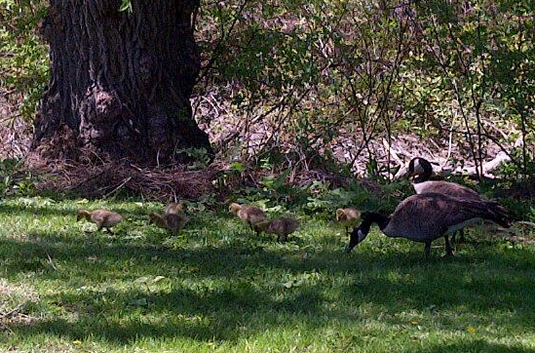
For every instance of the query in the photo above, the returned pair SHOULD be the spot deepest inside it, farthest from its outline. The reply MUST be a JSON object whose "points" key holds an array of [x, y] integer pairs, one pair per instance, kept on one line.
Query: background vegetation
{"points": [[341, 79], [345, 78], [318, 91]]}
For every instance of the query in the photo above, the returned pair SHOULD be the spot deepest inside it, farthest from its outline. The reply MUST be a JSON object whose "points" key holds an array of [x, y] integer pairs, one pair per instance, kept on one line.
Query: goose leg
{"points": [[461, 238], [427, 249], [449, 252]]}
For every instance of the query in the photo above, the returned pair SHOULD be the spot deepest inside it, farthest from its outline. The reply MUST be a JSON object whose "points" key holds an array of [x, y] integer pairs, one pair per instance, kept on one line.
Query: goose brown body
{"points": [[102, 218], [426, 217], [422, 172]]}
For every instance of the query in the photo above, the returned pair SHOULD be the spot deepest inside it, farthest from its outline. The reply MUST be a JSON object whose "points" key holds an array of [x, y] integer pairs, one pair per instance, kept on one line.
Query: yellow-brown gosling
{"points": [[282, 227], [347, 217], [175, 208], [173, 222], [250, 215], [102, 218]]}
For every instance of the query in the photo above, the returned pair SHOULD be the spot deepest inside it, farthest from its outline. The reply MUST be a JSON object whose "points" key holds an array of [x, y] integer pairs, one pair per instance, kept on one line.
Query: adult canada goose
{"points": [[173, 222], [250, 215], [348, 217], [421, 171], [282, 227], [102, 218], [426, 217]]}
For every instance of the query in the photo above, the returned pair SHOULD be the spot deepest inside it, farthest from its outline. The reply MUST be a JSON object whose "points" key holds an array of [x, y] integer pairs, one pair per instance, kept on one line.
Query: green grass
{"points": [[219, 288]]}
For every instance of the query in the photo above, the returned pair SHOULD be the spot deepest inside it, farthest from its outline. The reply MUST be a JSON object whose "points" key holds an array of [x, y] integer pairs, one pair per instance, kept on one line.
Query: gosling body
{"points": [[282, 227], [173, 222], [250, 215], [102, 218]]}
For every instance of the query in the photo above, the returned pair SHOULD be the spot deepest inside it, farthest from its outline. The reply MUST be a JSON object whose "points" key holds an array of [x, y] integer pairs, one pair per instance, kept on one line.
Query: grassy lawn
{"points": [[220, 288]]}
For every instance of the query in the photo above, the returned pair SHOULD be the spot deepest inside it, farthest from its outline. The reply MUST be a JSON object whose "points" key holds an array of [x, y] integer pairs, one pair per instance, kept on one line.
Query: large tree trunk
{"points": [[120, 81]]}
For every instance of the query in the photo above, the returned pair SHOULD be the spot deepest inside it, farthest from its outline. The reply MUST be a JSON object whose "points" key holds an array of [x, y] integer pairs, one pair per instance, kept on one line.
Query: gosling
{"points": [[282, 227], [175, 208], [173, 222], [347, 217], [250, 215], [102, 218]]}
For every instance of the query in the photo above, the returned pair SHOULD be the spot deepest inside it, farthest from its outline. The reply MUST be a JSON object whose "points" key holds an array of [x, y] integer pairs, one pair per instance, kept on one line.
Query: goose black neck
{"points": [[374, 217], [420, 178]]}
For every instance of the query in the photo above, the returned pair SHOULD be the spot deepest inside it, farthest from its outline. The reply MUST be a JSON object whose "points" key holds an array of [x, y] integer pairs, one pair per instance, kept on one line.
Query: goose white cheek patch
{"points": [[361, 235], [417, 167]]}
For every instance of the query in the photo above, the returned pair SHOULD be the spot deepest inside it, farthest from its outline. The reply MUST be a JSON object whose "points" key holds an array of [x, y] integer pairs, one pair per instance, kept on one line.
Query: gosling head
{"points": [[340, 215], [153, 217], [174, 207], [82, 214], [234, 207], [357, 236]]}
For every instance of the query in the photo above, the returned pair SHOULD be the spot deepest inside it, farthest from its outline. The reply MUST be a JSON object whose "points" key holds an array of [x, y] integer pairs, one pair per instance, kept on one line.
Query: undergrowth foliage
{"points": [[337, 87], [15, 179], [23, 56], [319, 79]]}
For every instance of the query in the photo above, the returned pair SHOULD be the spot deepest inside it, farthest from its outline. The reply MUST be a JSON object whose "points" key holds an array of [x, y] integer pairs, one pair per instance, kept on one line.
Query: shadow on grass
{"points": [[56, 210], [476, 346], [210, 315], [482, 284]]}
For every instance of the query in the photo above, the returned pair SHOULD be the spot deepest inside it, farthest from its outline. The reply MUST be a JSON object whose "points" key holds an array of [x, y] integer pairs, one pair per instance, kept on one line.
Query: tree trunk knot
{"points": [[107, 106]]}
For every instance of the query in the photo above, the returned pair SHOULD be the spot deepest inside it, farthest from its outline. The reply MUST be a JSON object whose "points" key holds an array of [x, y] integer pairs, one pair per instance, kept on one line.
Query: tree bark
{"points": [[120, 81]]}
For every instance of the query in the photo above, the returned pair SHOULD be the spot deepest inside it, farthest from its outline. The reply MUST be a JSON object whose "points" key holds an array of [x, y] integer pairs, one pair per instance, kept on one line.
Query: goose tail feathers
{"points": [[490, 210]]}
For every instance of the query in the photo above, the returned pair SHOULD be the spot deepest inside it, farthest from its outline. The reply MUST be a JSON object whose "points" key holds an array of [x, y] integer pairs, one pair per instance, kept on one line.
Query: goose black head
{"points": [[358, 235], [420, 169]]}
